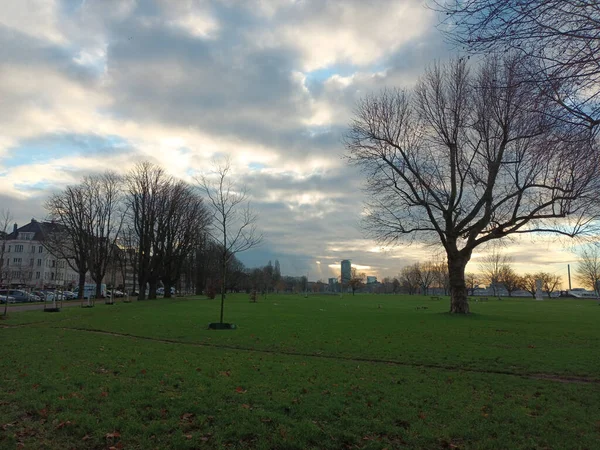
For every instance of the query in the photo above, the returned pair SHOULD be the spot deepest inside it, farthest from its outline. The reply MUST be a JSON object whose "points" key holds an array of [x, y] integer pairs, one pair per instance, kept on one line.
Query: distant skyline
{"points": [[93, 85]]}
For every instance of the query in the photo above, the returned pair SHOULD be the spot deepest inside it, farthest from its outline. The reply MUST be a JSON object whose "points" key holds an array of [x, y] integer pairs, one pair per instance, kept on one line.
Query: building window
{"points": [[17, 261], [33, 249], [37, 275], [53, 263], [52, 275], [40, 249], [39, 263], [9, 249], [31, 262], [18, 248]]}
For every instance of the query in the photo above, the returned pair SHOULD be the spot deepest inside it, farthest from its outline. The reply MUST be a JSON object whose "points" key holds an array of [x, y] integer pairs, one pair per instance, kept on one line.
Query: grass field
{"points": [[319, 372]]}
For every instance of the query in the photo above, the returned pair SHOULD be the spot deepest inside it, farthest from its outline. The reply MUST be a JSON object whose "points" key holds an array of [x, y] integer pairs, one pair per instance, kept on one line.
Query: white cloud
{"points": [[356, 33], [37, 18]]}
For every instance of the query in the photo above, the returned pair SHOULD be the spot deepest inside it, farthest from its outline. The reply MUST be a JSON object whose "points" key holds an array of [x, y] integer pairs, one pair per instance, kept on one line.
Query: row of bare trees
{"points": [[421, 277], [153, 224]]}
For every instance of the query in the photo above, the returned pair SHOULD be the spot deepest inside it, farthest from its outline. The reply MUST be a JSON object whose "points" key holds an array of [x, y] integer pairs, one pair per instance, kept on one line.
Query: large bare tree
{"points": [[468, 157], [559, 38], [233, 221], [588, 267], [186, 219], [67, 237], [106, 216], [147, 185]]}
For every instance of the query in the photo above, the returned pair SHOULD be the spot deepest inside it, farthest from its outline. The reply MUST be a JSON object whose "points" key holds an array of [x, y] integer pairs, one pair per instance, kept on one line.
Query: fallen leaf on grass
{"points": [[187, 417], [35, 386], [226, 373], [246, 406], [240, 390], [143, 371], [422, 415], [112, 435], [44, 412], [7, 425], [188, 436], [104, 394], [86, 437]]}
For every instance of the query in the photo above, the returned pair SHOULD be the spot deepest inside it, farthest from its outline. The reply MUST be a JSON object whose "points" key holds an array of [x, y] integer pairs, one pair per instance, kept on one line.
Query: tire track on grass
{"points": [[531, 376]]}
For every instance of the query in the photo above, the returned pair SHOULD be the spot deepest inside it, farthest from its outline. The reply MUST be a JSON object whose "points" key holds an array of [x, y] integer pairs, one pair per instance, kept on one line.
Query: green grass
{"points": [[317, 372]]}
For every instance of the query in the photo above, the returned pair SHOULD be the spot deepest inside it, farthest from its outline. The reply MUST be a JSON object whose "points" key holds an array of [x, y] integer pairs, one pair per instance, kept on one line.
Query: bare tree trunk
{"points": [[459, 303], [167, 284], [81, 293], [223, 276], [152, 289], [142, 289]]}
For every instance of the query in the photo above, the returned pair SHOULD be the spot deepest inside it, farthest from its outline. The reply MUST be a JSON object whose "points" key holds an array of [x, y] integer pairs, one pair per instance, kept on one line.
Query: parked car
{"points": [[68, 295], [4, 299], [19, 295], [161, 291]]}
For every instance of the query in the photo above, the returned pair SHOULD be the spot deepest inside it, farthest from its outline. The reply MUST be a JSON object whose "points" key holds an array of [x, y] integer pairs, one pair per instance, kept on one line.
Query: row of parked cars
{"points": [[20, 296]]}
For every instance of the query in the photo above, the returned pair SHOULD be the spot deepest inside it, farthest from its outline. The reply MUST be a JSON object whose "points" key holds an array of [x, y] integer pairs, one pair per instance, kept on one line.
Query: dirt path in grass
{"points": [[533, 376]]}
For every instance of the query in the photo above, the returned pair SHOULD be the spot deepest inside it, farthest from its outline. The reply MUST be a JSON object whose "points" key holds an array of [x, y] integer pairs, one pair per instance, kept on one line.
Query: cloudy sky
{"points": [[89, 85]]}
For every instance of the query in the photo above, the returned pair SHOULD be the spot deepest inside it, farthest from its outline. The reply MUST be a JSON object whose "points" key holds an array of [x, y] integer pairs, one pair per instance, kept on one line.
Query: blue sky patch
{"points": [[42, 149]]}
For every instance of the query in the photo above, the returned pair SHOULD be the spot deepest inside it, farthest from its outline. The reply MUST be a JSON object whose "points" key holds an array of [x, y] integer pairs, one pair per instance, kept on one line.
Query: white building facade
{"points": [[27, 263]]}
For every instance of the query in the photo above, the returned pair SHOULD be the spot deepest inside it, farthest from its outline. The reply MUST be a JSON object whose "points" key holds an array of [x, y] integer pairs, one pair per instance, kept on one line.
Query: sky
{"points": [[87, 86]]}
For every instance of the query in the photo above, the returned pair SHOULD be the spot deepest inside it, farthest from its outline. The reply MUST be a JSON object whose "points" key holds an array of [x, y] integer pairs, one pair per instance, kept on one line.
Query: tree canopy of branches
{"points": [[468, 157], [528, 283], [233, 223], [146, 185], [550, 282], [510, 279], [105, 203], [588, 267], [182, 222], [559, 38], [410, 278], [492, 266], [168, 219], [356, 280]]}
